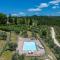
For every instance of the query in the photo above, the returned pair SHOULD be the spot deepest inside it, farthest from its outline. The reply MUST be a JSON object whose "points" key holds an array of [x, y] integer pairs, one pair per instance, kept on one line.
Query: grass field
{"points": [[7, 55], [2, 43], [13, 37]]}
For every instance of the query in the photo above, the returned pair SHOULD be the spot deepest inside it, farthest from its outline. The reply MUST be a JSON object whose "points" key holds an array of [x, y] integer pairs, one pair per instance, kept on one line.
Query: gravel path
{"points": [[54, 38]]}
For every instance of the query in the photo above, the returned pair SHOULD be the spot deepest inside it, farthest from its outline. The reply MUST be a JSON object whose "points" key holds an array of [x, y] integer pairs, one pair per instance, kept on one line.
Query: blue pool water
{"points": [[29, 46]]}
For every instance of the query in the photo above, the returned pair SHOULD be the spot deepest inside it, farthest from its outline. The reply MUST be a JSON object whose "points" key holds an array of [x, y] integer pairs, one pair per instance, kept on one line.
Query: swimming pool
{"points": [[29, 46]]}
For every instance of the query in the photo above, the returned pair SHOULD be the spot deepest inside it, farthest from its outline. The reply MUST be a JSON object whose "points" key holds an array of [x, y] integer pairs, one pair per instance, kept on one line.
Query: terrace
{"points": [[30, 47]]}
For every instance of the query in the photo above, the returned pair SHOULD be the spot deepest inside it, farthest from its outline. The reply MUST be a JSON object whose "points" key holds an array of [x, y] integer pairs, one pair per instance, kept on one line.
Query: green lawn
{"points": [[2, 43], [7, 55], [13, 37], [32, 58]]}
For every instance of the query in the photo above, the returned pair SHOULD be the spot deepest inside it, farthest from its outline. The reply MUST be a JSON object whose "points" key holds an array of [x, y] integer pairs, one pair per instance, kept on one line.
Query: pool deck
{"points": [[39, 52]]}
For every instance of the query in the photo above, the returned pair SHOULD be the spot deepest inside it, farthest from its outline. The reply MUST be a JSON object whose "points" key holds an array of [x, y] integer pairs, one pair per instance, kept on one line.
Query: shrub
{"points": [[16, 56], [12, 46], [3, 35]]}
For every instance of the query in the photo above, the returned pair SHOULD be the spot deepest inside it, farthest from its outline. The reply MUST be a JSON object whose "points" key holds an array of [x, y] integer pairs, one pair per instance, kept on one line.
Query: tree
{"points": [[11, 19], [12, 46], [21, 57], [3, 35], [3, 18], [35, 58], [15, 20], [44, 33], [16, 56]]}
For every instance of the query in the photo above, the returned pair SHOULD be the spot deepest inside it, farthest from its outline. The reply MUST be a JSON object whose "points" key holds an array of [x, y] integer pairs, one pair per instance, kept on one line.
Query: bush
{"points": [[12, 46], [3, 35], [16, 56], [35, 58]]}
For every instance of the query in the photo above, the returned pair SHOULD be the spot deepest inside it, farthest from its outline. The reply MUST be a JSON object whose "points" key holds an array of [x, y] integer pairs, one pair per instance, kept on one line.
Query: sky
{"points": [[30, 7]]}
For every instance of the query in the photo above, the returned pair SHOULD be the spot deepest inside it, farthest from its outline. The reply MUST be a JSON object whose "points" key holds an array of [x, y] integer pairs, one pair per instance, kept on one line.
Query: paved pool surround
{"points": [[26, 45]]}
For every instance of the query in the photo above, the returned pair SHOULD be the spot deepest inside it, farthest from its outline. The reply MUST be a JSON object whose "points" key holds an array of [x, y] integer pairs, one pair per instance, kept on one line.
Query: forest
{"points": [[29, 20]]}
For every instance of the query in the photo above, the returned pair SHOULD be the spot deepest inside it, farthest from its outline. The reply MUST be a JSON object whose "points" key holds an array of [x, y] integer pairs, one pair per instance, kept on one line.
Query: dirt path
{"points": [[54, 38]]}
